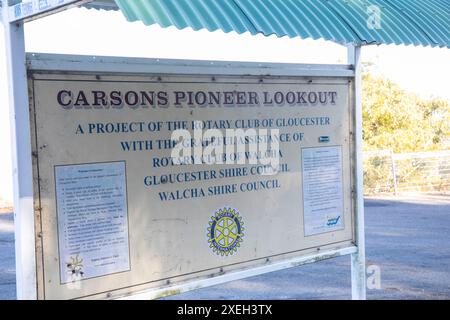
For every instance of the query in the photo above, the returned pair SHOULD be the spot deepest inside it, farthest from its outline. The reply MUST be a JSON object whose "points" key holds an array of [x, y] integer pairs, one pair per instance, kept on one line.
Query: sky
{"points": [[425, 71]]}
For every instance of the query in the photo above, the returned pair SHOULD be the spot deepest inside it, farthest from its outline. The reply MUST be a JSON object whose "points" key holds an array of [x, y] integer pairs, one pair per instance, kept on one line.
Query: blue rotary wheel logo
{"points": [[225, 231]]}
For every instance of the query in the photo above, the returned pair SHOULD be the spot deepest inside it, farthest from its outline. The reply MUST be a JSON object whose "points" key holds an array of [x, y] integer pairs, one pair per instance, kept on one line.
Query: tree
{"points": [[400, 121]]}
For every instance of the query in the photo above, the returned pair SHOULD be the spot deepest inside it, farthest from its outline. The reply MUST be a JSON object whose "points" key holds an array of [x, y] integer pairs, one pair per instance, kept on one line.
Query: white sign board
{"points": [[119, 214], [92, 220], [323, 196]]}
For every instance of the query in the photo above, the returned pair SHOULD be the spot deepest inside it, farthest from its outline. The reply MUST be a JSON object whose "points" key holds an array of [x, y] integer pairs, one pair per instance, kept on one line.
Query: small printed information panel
{"points": [[323, 196], [147, 181], [92, 220]]}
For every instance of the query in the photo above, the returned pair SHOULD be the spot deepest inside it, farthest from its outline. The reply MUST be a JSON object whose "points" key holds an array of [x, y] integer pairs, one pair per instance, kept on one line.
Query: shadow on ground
{"points": [[7, 264]]}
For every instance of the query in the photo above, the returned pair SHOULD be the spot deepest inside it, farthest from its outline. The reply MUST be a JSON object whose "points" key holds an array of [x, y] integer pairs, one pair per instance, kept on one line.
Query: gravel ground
{"points": [[407, 237]]}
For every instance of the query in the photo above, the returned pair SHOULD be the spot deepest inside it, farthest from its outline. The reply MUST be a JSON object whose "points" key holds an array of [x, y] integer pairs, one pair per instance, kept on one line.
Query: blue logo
{"points": [[333, 221], [225, 231]]}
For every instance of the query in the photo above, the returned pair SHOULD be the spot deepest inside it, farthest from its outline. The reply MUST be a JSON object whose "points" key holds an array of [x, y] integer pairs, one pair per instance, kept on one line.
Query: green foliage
{"points": [[400, 121], [396, 120], [377, 175]]}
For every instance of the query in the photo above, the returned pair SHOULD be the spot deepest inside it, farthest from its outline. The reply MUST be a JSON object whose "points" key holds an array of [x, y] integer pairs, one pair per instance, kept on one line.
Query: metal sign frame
{"points": [[24, 202], [29, 10], [42, 65]]}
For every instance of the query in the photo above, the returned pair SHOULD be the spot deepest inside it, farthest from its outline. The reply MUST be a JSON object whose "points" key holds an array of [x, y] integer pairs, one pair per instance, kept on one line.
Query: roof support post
{"points": [[358, 259], [21, 157]]}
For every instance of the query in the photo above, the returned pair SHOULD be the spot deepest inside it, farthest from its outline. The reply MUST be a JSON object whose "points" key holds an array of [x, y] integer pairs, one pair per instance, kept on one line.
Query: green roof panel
{"points": [[409, 22]]}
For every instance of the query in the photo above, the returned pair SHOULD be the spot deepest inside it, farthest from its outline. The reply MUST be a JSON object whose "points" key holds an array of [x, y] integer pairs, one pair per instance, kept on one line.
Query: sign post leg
{"points": [[21, 157], [358, 259]]}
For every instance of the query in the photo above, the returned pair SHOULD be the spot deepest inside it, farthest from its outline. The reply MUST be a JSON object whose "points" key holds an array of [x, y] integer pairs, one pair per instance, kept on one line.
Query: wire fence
{"points": [[388, 172]]}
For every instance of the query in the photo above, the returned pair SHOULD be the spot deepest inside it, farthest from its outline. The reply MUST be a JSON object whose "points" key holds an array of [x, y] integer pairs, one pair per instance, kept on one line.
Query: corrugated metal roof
{"points": [[102, 5], [417, 22]]}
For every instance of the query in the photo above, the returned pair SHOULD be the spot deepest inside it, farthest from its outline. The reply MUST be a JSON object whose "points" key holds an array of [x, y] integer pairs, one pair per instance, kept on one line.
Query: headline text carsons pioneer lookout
{"points": [[100, 99]]}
